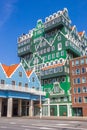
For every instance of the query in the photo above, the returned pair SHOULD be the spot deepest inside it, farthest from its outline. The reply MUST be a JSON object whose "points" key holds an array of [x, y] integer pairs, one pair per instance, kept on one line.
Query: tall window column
{"points": [[9, 107]]}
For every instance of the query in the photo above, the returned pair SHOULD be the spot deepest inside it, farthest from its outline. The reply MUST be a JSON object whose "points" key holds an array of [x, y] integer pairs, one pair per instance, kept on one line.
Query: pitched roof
{"points": [[28, 72], [80, 33], [9, 69], [52, 66]]}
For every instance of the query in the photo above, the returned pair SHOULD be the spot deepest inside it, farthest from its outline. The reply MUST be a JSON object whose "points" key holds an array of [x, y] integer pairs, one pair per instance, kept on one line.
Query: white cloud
{"points": [[7, 9]]}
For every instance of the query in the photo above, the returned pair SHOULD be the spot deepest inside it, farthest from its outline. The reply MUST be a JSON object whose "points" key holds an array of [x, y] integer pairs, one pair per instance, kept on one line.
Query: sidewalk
{"points": [[60, 118]]}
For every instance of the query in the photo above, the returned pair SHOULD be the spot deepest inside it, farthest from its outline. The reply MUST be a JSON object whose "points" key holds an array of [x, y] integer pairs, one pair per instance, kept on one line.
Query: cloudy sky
{"points": [[19, 16]]}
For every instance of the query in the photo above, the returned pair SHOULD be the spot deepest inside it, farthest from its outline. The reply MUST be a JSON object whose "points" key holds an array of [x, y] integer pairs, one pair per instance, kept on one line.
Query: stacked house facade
{"points": [[20, 91], [47, 49]]}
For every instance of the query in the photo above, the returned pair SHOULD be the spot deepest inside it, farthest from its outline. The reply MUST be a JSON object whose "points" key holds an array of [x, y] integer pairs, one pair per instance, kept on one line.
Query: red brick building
{"points": [[78, 75]]}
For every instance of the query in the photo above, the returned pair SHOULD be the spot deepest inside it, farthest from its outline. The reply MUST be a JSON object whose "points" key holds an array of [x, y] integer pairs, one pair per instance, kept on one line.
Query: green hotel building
{"points": [[47, 49]]}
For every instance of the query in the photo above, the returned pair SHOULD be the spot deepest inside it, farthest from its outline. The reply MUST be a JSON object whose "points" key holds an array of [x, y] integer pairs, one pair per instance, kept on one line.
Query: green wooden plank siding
{"points": [[63, 110]]}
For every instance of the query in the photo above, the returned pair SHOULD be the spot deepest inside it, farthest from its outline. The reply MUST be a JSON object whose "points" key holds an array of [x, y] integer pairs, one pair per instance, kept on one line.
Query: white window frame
{"points": [[83, 79], [62, 53], [60, 46], [59, 38]]}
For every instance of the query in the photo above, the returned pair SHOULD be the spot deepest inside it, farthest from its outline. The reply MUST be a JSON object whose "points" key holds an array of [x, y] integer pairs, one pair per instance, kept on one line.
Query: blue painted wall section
{"points": [[32, 81]]}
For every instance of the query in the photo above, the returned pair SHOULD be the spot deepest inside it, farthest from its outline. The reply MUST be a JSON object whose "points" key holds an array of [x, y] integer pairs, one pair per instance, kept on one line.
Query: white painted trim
{"points": [[9, 87], [3, 70]]}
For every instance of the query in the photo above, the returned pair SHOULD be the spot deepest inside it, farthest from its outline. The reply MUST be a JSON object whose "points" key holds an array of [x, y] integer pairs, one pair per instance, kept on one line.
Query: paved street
{"points": [[37, 124]]}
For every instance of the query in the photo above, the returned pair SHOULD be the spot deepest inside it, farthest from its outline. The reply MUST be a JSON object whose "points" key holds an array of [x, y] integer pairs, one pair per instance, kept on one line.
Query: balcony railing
{"points": [[73, 47], [21, 89], [56, 22]]}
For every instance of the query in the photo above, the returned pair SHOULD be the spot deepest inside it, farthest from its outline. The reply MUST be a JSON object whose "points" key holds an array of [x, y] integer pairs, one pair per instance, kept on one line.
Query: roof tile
{"points": [[52, 66]]}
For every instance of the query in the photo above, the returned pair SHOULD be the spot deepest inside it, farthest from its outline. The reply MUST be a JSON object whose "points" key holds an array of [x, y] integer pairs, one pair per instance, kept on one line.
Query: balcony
{"points": [[54, 72], [71, 46], [8, 87], [55, 23], [24, 50]]}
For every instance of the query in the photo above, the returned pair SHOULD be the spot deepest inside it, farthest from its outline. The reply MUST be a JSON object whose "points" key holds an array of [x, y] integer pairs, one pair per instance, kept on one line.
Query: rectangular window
{"points": [[42, 73], [62, 53], [13, 82], [68, 79], [59, 46], [45, 81], [79, 99], [77, 71], [74, 81], [86, 60], [60, 69], [59, 38], [45, 50], [41, 52], [51, 71], [65, 99], [33, 79], [48, 49], [46, 72], [55, 70], [26, 85], [66, 43], [53, 48], [72, 63], [83, 79], [77, 62], [20, 74], [47, 64], [73, 72], [56, 61], [79, 90], [49, 57], [75, 100], [20, 84], [85, 99], [57, 54], [83, 70], [51, 63], [84, 89], [45, 58], [74, 90], [78, 80], [82, 61], [53, 56], [2, 81]]}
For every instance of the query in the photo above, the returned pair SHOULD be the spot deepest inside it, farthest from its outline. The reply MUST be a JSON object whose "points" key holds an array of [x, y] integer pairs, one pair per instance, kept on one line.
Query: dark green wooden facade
{"points": [[48, 48]]}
